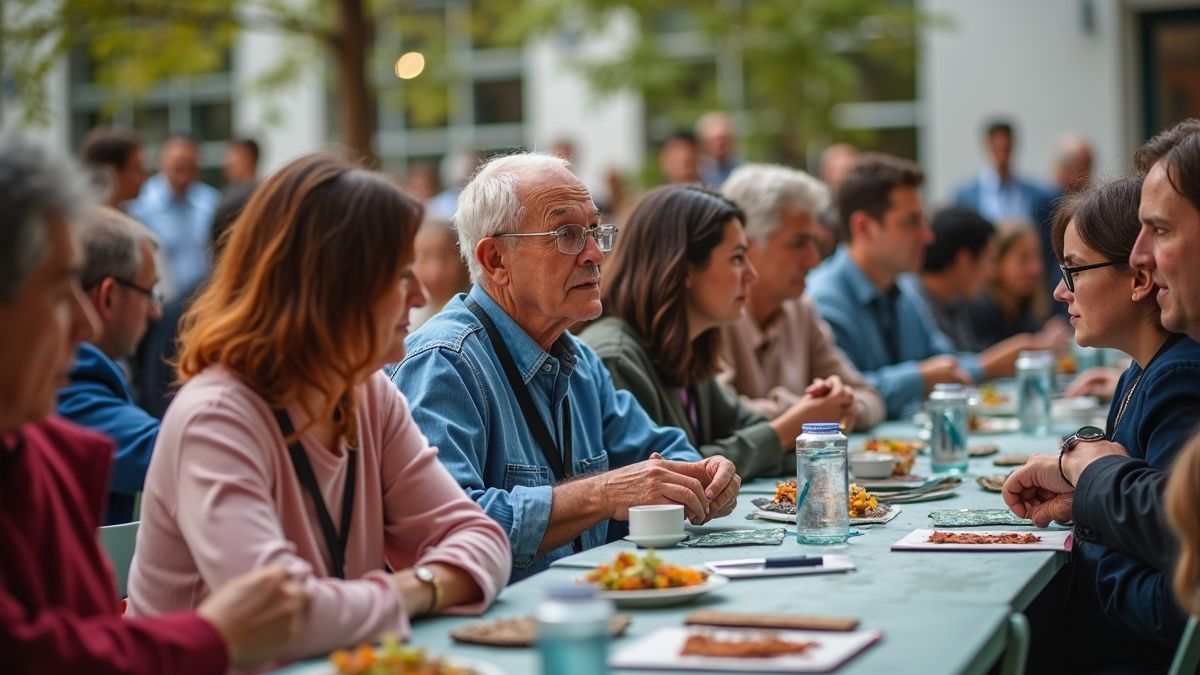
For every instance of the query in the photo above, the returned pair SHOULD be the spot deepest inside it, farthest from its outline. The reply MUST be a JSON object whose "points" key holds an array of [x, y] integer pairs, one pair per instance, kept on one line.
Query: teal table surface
{"points": [[940, 612]]}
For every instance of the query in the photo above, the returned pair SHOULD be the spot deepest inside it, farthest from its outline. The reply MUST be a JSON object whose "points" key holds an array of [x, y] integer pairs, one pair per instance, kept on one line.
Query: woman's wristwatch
{"points": [[427, 576], [1086, 434]]}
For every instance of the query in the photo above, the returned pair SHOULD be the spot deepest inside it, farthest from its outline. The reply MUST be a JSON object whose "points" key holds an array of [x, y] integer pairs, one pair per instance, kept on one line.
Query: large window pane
{"points": [[498, 102]]}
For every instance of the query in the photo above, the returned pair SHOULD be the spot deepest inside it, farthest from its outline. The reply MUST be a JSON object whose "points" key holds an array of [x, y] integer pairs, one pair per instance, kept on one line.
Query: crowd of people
{"points": [[336, 406]]}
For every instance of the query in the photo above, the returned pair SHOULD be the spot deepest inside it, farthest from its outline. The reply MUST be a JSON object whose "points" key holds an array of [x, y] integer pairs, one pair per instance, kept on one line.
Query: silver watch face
{"points": [[424, 574]]}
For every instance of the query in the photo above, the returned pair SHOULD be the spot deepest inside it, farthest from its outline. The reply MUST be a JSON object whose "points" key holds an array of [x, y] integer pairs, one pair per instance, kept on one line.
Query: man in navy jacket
{"points": [[119, 275]]}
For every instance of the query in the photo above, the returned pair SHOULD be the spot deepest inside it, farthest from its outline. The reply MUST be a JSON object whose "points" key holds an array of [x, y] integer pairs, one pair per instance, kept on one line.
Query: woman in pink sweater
{"points": [[286, 444]]}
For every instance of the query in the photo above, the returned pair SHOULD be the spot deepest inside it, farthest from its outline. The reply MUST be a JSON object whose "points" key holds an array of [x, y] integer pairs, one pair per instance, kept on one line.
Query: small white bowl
{"points": [[871, 464]]}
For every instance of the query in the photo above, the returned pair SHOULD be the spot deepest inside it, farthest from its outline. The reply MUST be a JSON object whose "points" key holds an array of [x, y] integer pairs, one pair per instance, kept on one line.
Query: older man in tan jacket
{"points": [[781, 352]]}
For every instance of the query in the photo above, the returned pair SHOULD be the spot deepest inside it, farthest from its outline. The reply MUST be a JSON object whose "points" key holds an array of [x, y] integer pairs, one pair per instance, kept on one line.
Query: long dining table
{"points": [[938, 611]]}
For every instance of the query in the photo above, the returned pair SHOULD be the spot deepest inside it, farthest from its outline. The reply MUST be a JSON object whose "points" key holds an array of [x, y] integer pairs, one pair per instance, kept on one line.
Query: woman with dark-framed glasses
{"points": [[1120, 608]]}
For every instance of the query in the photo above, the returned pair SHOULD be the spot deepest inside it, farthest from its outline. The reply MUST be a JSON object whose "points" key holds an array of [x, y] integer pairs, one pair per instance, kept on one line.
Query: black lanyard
{"points": [[304, 471], [560, 464]]}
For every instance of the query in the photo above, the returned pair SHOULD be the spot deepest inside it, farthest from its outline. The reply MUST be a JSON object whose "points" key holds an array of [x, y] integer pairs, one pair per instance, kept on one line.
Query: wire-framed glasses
{"points": [[571, 238]]}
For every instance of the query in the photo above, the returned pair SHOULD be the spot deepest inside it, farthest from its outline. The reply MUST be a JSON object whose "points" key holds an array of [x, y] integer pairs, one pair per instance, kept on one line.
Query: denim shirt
{"points": [[885, 334], [462, 401]]}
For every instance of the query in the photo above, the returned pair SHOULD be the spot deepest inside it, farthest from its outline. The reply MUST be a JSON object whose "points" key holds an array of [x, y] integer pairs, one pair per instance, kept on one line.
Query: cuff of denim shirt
{"points": [[531, 518], [901, 385], [970, 363]]}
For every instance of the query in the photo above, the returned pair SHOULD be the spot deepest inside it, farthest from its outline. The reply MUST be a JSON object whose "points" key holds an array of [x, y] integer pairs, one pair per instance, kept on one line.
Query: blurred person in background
{"points": [[834, 164], [998, 193], [285, 422], [717, 135], [780, 353], [154, 369], [456, 170], [422, 182], [59, 611], [1014, 301], [241, 161], [957, 267], [1182, 495], [439, 267], [120, 277], [179, 208], [117, 155], [679, 159]]}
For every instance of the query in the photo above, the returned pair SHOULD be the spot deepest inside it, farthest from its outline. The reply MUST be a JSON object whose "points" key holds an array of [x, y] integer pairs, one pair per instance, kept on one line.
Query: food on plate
{"points": [[862, 504], [517, 631], [785, 492], [763, 646], [631, 573], [939, 537], [391, 658], [991, 397], [904, 451]]}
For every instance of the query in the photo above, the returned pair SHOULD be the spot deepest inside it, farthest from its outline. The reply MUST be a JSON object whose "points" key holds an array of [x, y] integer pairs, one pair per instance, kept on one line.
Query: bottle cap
{"points": [[821, 428]]}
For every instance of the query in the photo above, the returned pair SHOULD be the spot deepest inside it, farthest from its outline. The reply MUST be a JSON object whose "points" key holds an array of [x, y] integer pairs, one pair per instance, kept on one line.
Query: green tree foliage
{"points": [[794, 60]]}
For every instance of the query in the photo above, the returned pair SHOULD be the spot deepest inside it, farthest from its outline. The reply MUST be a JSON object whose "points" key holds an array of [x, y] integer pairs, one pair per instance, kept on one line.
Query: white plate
{"points": [[324, 667], [660, 651], [791, 517], [905, 482], [1052, 540], [664, 597], [657, 541]]}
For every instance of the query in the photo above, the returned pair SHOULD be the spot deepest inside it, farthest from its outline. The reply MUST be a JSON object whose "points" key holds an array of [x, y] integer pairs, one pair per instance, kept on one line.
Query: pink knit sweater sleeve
{"points": [[224, 500], [231, 524], [428, 518]]}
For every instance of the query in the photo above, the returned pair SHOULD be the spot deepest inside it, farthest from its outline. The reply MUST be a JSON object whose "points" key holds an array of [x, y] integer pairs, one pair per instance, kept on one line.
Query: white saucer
{"points": [[657, 540]]}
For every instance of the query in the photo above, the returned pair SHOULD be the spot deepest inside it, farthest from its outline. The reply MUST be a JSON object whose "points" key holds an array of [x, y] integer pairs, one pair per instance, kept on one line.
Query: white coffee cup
{"points": [[656, 520]]}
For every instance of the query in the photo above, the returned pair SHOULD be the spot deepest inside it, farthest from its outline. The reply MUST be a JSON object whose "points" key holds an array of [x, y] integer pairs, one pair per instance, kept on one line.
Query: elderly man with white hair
{"points": [[781, 356], [524, 415]]}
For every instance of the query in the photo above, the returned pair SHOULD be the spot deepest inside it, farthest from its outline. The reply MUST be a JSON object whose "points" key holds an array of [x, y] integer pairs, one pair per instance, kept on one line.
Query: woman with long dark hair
{"points": [[680, 273]]}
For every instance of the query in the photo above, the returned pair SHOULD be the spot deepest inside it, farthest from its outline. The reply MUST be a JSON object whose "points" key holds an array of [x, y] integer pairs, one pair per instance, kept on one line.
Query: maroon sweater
{"points": [[58, 605]]}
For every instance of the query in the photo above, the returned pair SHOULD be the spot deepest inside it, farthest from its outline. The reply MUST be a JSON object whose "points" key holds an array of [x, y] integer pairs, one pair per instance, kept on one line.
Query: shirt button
{"points": [[547, 368]]}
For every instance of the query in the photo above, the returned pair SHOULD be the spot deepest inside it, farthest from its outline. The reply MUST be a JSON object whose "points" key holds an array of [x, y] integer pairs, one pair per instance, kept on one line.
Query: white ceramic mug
{"points": [[656, 520]]}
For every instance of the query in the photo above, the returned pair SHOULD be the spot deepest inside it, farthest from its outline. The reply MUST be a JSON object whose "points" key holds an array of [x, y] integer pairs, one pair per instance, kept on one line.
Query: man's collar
{"points": [[527, 354], [860, 285]]}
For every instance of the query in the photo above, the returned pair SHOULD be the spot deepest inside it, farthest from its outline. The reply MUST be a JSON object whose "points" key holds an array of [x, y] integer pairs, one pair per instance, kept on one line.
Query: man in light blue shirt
{"points": [[998, 193], [524, 415], [871, 300], [179, 209]]}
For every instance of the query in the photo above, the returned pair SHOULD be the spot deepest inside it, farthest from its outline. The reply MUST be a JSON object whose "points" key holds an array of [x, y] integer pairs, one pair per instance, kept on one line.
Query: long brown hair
{"points": [[672, 230], [1182, 495], [290, 302]]}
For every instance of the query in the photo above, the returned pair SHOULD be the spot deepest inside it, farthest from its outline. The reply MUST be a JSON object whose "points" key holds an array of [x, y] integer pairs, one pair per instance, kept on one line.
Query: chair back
{"points": [[118, 541], [1187, 655]]}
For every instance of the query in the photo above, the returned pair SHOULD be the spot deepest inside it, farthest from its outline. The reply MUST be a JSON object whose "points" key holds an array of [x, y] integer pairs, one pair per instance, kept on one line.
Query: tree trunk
{"points": [[356, 103]]}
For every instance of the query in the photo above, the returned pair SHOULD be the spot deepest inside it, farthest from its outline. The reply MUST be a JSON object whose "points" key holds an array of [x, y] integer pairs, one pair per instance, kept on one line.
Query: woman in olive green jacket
{"points": [[679, 273]]}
